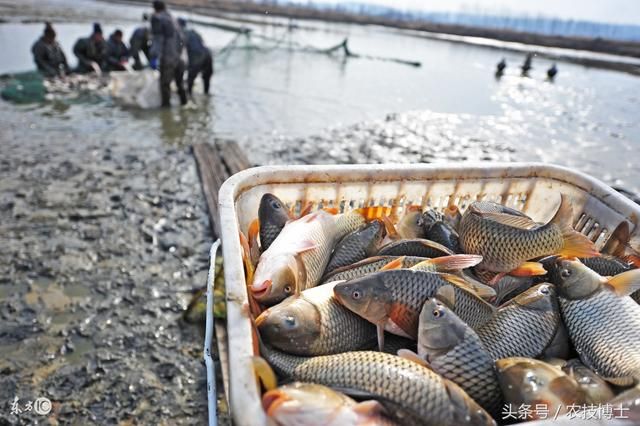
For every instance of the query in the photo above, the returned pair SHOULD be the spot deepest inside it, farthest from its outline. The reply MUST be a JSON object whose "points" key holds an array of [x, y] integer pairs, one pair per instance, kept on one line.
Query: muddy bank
{"points": [[104, 242]]}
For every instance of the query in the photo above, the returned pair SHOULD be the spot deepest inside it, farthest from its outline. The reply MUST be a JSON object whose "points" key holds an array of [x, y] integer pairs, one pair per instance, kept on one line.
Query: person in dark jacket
{"points": [[166, 52], [91, 51], [199, 56], [48, 54], [117, 52], [139, 42]]}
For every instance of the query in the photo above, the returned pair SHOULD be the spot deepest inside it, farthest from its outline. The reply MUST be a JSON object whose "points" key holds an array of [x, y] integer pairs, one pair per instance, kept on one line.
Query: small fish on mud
{"points": [[316, 405], [507, 240], [299, 255], [357, 245], [314, 323], [602, 321], [524, 326], [543, 387]]}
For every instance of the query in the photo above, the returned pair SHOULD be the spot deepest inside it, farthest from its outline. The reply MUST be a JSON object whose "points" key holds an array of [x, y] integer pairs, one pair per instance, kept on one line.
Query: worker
{"points": [[166, 52], [91, 51], [502, 65], [48, 54], [199, 56], [526, 66], [551, 72], [139, 42], [117, 53]]}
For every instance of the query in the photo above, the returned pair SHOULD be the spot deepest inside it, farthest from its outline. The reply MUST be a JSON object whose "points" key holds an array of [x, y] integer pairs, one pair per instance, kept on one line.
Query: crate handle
{"points": [[208, 336]]}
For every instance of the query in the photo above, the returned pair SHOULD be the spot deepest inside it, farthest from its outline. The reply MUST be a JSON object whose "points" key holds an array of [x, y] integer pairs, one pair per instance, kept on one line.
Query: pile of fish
{"points": [[440, 318]]}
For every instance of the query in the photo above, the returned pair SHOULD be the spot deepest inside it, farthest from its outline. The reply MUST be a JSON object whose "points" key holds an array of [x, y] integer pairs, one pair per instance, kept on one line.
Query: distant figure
{"points": [[200, 58], [551, 72], [117, 53], [166, 51], [139, 42], [500, 68], [91, 51], [526, 66], [48, 54]]}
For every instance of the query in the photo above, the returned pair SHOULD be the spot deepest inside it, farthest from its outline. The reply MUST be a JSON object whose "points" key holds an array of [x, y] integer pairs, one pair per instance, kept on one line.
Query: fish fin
{"points": [[410, 355], [447, 295], [437, 246], [484, 292], [394, 264], [246, 259], [264, 373], [305, 245], [453, 262], [521, 222], [331, 210], [254, 248], [529, 269], [632, 259], [368, 408], [621, 381], [392, 232], [380, 332], [625, 283], [575, 244], [305, 210], [310, 217]]}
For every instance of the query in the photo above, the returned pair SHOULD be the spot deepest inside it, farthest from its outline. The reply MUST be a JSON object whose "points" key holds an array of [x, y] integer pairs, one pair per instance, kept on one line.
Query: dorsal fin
{"points": [[520, 222], [394, 264]]}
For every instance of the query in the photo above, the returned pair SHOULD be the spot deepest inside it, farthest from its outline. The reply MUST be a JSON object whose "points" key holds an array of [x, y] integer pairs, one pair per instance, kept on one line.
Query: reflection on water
{"points": [[269, 96]]}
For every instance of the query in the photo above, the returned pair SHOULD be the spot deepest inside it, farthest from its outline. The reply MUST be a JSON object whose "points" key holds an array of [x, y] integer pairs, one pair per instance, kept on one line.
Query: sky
{"points": [[611, 11]]}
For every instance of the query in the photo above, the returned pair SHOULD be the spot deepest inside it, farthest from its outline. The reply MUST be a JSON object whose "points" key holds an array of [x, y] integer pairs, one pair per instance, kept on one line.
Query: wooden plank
{"points": [[215, 164]]}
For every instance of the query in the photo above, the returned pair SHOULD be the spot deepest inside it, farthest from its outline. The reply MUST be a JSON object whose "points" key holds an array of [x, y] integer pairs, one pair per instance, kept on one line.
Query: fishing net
{"points": [[23, 88]]}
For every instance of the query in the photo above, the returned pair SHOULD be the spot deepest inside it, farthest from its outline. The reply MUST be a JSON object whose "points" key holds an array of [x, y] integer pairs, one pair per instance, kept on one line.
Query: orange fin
{"points": [[625, 283], [264, 373], [246, 259], [306, 209], [453, 262], [254, 249], [331, 210], [394, 264], [575, 244], [529, 269], [632, 259], [392, 232], [409, 355], [483, 291]]}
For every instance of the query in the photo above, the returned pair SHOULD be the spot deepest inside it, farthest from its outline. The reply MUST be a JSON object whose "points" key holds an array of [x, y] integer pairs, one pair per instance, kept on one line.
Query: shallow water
{"points": [[267, 96]]}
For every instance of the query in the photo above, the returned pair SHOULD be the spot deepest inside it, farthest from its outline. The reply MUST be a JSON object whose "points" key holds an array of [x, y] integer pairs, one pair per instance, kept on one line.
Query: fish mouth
{"points": [[263, 290], [272, 400]]}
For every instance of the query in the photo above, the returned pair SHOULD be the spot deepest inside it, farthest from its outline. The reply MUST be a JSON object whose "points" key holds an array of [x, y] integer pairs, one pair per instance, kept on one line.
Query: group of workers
{"points": [[525, 67], [163, 45]]}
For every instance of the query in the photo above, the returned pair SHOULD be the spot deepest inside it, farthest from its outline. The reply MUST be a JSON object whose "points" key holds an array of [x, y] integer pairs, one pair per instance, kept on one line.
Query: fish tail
{"points": [[574, 243]]}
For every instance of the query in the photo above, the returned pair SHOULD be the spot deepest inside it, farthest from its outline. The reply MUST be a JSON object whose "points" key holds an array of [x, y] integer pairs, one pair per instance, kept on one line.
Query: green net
{"points": [[23, 88]]}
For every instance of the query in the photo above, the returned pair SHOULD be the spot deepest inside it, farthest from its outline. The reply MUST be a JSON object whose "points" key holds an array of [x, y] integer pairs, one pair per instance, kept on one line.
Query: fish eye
{"points": [[565, 273], [438, 313], [356, 294], [290, 321], [544, 290], [275, 205], [287, 289]]}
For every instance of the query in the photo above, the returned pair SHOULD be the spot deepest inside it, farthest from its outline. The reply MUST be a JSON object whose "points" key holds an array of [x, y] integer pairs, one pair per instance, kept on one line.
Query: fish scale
{"points": [[508, 246], [516, 330], [340, 329], [410, 289], [413, 394], [605, 330], [470, 366]]}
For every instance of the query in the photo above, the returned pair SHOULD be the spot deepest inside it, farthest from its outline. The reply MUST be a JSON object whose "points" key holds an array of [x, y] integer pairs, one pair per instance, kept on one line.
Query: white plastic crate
{"points": [[533, 188]]}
